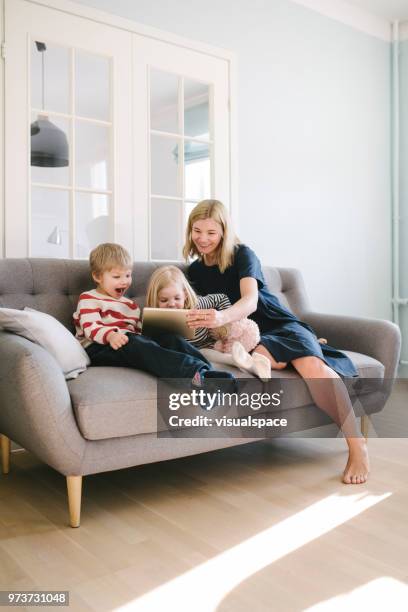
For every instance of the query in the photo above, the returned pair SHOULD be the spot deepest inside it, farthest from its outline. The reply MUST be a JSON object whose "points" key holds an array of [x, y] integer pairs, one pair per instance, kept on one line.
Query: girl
{"points": [[169, 288], [225, 264]]}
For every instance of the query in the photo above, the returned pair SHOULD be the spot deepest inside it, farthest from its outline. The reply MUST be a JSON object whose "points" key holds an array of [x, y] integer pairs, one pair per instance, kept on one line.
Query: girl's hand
{"points": [[205, 318]]}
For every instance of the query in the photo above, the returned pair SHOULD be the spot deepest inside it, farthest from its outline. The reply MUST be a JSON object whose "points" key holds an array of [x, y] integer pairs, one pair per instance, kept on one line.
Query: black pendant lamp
{"points": [[49, 144]]}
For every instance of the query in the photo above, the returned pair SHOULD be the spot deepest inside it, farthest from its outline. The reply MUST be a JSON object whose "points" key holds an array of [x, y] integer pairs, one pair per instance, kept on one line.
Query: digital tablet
{"points": [[168, 320]]}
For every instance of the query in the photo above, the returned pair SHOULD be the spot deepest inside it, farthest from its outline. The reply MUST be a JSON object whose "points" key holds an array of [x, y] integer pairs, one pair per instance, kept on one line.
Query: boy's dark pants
{"points": [[166, 356]]}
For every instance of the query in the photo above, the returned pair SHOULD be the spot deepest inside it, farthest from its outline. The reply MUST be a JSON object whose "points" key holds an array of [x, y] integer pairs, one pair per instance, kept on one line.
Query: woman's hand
{"points": [[205, 318]]}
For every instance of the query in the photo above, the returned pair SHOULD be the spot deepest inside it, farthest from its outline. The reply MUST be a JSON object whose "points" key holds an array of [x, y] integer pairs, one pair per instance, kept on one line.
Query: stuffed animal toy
{"points": [[244, 331]]}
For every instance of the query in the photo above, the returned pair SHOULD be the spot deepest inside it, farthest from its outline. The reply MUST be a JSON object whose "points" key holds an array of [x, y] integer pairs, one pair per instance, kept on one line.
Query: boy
{"points": [[109, 328]]}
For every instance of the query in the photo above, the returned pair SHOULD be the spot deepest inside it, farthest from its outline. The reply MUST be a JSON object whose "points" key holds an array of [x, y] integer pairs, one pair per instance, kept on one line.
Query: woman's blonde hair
{"points": [[162, 278], [107, 256], [213, 209]]}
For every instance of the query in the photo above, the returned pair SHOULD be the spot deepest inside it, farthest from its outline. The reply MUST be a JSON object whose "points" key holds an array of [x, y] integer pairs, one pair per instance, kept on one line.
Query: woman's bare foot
{"points": [[357, 468]]}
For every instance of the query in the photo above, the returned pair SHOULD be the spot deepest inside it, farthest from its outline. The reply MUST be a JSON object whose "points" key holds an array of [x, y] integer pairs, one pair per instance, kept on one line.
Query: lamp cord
{"points": [[42, 80]]}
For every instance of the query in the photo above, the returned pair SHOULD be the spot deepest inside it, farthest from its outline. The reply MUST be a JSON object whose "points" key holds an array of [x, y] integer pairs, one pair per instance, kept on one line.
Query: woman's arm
{"points": [[216, 318]]}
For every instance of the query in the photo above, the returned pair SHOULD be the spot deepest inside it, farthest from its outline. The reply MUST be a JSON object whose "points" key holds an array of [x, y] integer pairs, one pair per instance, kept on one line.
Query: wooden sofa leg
{"points": [[5, 453], [365, 424], [74, 487]]}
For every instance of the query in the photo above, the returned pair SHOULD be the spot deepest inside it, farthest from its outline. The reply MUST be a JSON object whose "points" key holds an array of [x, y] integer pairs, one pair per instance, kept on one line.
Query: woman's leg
{"points": [[275, 365], [330, 394]]}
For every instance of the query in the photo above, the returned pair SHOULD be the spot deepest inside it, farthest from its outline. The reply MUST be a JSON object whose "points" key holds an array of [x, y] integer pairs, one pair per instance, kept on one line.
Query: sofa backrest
{"points": [[54, 285]]}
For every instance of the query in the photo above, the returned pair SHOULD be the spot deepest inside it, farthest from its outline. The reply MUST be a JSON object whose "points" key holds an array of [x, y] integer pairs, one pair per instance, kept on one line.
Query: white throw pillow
{"points": [[45, 330]]}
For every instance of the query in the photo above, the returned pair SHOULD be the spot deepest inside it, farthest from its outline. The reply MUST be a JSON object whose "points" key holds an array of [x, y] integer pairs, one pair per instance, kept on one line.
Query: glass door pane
{"points": [[92, 87], [196, 109], [92, 155], [166, 223], [165, 174], [91, 222], [50, 76], [164, 107], [49, 223]]}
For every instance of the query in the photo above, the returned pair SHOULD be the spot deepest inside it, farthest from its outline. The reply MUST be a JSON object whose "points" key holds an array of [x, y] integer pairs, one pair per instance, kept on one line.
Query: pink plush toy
{"points": [[244, 331]]}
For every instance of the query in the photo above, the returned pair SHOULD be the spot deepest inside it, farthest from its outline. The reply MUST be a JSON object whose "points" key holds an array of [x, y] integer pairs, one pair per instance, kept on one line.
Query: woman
{"points": [[225, 265]]}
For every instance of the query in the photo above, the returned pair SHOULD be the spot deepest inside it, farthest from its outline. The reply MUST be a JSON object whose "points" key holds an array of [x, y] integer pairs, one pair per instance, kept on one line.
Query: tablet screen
{"points": [[166, 319]]}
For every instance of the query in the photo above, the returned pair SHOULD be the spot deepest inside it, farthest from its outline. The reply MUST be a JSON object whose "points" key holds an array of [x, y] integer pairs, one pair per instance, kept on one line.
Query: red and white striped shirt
{"points": [[97, 315]]}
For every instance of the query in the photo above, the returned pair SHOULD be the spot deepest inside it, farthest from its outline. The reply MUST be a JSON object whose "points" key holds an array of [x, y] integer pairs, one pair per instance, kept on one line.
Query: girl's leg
{"points": [[330, 394], [254, 364], [218, 356]]}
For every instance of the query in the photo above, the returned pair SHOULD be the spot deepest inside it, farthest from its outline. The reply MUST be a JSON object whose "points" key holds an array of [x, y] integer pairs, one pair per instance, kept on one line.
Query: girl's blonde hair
{"points": [[162, 278], [213, 209], [107, 256]]}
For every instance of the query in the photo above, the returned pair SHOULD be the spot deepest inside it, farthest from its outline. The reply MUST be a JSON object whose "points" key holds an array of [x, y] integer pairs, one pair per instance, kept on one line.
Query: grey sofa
{"points": [[106, 418]]}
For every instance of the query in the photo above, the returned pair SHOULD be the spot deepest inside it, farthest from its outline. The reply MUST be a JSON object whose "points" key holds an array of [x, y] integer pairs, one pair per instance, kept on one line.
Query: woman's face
{"points": [[206, 235]]}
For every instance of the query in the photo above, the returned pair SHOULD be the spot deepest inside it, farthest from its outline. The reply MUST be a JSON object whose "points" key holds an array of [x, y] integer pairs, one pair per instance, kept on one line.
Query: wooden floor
{"points": [[261, 527]]}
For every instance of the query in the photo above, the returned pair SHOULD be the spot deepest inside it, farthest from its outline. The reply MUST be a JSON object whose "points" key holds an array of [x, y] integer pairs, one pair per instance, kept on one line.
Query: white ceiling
{"points": [[388, 9]]}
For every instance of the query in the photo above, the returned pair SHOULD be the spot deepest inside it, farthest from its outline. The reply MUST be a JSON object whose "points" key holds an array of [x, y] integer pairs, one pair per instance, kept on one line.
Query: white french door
{"points": [[140, 133], [81, 84], [181, 141]]}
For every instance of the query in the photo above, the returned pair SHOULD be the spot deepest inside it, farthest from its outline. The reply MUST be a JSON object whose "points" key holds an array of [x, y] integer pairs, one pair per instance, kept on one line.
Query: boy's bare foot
{"points": [[357, 468]]}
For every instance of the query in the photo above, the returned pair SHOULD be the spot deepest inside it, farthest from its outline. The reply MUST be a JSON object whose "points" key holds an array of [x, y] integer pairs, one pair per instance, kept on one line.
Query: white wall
{"points": [[403, 203], [314, 140]]}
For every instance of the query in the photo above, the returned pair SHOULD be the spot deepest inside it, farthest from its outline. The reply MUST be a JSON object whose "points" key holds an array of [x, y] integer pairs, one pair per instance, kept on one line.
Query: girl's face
{"points": [[172, 296], [206, 235]]}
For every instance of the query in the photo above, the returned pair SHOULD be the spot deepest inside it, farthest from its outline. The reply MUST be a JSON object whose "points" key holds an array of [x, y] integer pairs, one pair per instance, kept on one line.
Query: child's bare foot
{"points": [[357, 468], [255, 364]]}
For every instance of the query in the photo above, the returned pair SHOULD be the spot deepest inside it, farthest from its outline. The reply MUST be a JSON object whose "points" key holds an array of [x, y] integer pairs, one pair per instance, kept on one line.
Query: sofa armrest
{"points": [[35, 405], [377, 338]]}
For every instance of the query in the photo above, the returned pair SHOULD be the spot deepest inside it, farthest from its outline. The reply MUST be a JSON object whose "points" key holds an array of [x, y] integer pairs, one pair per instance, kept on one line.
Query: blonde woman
{"points": [[224, 264]]}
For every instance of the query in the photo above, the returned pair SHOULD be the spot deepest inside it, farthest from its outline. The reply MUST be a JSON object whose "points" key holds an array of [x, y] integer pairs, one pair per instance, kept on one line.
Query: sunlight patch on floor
{"points": [[377, 595], [202, 588]]}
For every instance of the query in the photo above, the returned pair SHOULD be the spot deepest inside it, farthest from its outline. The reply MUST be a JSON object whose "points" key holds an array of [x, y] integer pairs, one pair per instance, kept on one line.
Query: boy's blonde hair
{"points": [[162, 278], [213, 209], [108, 255]]}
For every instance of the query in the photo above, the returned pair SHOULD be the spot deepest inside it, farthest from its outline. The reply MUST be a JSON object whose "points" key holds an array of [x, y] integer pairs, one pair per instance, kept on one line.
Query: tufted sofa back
{"points": [[54, 285]]}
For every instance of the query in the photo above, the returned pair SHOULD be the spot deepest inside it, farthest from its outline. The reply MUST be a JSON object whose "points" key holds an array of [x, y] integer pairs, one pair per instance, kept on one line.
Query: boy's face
{"points": [[114, 282]]}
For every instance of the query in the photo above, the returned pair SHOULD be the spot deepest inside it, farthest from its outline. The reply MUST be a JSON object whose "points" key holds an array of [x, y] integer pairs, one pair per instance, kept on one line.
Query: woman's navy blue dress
{"points": [[282, 333]]}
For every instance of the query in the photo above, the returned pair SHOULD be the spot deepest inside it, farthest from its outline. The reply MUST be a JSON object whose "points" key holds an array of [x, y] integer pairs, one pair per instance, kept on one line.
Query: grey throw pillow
{"points": [[45, 330]]}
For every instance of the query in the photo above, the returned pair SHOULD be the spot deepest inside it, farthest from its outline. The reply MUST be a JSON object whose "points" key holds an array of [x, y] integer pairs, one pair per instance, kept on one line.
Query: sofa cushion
{"points": [[117, 402], [45, 330]]}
